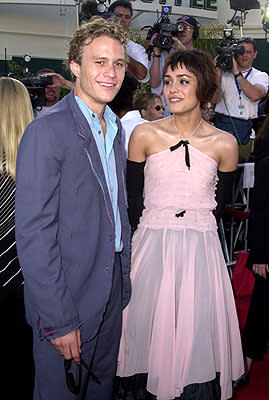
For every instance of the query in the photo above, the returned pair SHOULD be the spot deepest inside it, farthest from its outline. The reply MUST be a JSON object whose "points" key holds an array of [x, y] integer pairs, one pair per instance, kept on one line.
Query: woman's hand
{"points": [[261, 269]]}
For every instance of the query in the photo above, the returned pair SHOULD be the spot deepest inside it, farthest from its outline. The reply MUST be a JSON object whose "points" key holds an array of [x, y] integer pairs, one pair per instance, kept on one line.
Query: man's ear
{"points": [[75, 68], [255, 54]]}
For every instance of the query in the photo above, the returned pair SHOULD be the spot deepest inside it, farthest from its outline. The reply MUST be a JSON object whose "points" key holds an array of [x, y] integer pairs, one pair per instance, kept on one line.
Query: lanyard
{"points": [[237, 85]]}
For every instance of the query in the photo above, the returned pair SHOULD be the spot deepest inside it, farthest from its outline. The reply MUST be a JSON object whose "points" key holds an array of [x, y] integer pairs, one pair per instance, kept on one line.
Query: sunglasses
{"points": [[158, 108], [70, 380]]}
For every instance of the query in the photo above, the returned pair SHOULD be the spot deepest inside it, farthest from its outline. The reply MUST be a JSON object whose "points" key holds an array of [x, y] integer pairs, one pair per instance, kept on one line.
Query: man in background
{"points": [[138, 59], [239, 93]]}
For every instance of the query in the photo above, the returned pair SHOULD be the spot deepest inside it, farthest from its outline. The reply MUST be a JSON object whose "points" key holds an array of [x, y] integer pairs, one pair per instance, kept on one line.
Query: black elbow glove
{"points": [[135, 186], [223, 192]]}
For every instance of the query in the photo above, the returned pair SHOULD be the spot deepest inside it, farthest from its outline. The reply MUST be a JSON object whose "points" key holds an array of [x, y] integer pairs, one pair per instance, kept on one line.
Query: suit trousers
{"points": [[50, 380], [256, 333]]}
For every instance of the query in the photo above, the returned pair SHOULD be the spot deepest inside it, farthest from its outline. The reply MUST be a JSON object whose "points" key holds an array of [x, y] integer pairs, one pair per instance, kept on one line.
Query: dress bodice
{"points": [[171, 187]]}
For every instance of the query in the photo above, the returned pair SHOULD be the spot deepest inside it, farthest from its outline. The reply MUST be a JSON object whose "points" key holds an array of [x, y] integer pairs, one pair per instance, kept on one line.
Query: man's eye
{"points": [[100, 62], [119, 64]]}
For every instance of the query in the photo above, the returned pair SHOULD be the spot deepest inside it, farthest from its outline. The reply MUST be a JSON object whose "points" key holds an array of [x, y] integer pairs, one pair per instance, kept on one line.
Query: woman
{"points": [[180, 332], [256, 332], [150, 106], [16, 336]]}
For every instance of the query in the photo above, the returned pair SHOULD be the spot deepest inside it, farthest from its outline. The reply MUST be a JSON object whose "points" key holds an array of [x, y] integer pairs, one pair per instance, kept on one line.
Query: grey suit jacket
{"points": [[65, 227]]}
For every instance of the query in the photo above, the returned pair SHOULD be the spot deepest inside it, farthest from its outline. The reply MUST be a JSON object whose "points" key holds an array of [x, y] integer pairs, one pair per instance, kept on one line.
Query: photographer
{"points": [[239, 92], [52, 92], [183, 39], [138, 59]]}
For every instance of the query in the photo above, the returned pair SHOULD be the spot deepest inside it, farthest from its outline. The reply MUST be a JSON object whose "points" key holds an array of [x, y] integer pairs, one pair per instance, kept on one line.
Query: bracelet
{"points": [[239, 74], [156, 55]]}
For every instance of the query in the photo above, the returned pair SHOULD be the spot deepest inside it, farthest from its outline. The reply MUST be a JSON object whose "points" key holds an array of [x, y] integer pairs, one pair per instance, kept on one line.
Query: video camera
{"points": [[165, 29], [34, 84], [36, 89], [228, 49]]}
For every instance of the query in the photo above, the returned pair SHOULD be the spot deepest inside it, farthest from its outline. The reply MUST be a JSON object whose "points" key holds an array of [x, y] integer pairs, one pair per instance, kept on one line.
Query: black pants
{"points": [[17, 373], [256, 333]]}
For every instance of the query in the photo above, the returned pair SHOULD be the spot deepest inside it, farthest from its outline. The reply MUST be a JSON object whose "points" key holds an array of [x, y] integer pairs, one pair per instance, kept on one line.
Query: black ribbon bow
{"points": [[187, 155]]}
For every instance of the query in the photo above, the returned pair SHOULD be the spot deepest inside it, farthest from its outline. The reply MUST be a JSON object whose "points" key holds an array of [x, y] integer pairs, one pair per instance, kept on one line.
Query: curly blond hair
{"points": [[85, 33]]}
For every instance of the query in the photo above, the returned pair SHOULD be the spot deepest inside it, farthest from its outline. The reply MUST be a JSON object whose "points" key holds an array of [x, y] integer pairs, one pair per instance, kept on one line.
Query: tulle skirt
{"points": [[180, 326]]}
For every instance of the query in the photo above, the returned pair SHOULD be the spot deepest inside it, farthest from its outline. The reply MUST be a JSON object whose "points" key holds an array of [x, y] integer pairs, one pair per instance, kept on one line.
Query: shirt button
{"points": [[99, 132], [93, 115], [107, 269]]}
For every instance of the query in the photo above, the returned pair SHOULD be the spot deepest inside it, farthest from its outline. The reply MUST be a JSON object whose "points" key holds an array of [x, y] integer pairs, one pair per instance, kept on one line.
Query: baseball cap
{"points": [[188, 19]]}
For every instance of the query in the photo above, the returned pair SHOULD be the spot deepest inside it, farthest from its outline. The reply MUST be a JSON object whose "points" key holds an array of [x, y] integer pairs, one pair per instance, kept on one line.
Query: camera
{"points": [[36, 88], [227, 49], [34, 84], [165, 29]]}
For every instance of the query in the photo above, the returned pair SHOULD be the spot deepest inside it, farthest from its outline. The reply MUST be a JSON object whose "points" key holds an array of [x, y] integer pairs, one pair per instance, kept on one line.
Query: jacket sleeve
{"points": [[38, 175]]}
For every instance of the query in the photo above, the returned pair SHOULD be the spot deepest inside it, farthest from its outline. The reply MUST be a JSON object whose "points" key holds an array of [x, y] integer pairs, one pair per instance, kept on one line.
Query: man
{"points": [[72, 228], [138, 63], [239, 93], [183, 39], [52, 92]]}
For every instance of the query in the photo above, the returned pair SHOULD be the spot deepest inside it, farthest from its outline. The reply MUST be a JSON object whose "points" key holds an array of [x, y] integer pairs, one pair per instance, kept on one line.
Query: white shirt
{"points": [[138, 53], [249, 109], [129, 121], [158, 90]]}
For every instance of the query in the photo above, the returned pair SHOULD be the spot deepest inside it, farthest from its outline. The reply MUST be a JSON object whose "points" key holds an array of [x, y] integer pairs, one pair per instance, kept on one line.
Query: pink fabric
{"points": [[180, 326]]}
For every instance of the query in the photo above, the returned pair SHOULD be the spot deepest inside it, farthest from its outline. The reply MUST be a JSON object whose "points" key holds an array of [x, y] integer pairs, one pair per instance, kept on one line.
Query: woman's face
{"points": [[155, 111], [179, 90]]}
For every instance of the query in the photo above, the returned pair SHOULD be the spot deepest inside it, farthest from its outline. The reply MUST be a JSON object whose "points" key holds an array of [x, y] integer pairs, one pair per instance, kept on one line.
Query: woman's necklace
{"points": [[191, 133], [184, 142]]}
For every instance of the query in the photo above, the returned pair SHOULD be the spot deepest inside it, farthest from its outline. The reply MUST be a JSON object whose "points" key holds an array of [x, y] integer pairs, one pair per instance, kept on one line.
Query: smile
{"points": [[174, 100], [109, 85]]}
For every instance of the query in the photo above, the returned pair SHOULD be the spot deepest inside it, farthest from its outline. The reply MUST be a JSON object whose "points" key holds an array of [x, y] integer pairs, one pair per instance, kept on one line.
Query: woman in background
{"points": [[150, 106], [17, 376]]}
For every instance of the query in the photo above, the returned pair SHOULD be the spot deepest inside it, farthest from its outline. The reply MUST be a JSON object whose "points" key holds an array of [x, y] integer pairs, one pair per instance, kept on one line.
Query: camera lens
{"points": [[180, 27]]}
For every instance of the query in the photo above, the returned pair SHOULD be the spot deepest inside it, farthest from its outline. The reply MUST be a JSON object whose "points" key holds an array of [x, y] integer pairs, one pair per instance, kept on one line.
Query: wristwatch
{"points": [[156, 55], [238, 74]]}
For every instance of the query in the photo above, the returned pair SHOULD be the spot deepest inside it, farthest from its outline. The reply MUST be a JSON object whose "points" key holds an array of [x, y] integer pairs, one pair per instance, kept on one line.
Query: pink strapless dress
{"points": [[180, 326]]}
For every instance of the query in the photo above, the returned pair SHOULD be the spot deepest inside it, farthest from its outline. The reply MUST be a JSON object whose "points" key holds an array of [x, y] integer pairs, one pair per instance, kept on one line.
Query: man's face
{"points": [[101, 72], [123, 16], [52, 93], [246, 60], [186, 36]]}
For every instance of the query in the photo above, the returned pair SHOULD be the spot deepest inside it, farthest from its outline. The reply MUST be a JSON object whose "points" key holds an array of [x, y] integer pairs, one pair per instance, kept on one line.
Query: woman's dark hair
{"points": [[201, 65]]}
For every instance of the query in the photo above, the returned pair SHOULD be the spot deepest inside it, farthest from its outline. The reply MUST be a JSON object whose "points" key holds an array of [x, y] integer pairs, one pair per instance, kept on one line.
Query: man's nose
{"points": [[110, 70]]}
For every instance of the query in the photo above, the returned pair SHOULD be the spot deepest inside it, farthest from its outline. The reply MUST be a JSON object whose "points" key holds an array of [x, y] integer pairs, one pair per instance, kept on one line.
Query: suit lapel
{"points": [[93, 156]]}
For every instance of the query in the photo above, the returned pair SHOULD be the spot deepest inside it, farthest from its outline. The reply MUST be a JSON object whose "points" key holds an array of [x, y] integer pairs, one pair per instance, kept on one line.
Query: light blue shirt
{"points": [[106, 153]]}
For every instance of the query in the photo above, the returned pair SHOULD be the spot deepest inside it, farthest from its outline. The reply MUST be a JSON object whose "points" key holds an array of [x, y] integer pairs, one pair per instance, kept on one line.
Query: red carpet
{"points": [[258, 387]]}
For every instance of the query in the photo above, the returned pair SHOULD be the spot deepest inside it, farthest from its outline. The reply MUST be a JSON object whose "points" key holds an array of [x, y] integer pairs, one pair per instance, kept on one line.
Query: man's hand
{"points": [[177, 44], [235, 69], [69, 345], [261, 269], [60, 81], [156, 50]]}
